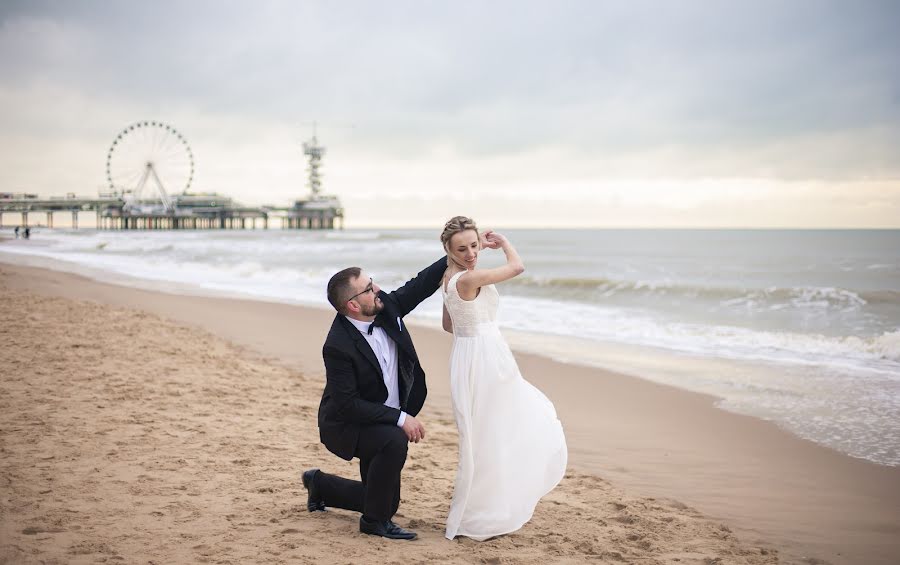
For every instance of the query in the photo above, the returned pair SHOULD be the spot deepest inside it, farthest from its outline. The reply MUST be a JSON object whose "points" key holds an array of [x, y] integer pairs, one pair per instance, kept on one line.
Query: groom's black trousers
{"points": [[382, 452]]}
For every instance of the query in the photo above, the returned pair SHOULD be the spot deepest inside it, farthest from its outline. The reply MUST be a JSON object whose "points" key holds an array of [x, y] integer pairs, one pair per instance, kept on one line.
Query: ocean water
{"points": [[800, 327]]}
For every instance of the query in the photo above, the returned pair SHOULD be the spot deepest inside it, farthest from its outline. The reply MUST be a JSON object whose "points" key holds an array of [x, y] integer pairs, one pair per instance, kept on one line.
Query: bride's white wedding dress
{"points": [[512, 450]]}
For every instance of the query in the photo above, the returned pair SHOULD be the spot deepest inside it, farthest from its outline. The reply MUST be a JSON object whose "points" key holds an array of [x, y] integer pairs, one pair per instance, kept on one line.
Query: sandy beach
{"points": [[147, 427]]}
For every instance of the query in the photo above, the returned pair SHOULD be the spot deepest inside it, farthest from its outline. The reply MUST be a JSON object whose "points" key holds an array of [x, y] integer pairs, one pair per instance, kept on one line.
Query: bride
{"points": [[512, 450]]}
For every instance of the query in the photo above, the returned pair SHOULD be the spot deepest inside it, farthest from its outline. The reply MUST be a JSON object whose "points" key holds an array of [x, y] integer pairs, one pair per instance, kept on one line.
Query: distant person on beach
{"points": [[512, 449], [27, 233], [374, 388], [17, 232]]}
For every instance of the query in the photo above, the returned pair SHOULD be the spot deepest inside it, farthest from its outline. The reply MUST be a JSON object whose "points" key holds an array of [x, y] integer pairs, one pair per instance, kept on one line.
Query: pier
{"points": [[134, 165], [185, 212]]}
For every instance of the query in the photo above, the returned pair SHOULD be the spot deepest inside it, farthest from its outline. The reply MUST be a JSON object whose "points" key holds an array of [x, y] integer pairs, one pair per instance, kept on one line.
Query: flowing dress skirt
{"points": [[512, 450]]}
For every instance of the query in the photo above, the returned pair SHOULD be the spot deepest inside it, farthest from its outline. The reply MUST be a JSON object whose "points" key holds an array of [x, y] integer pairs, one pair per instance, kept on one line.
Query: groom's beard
{"points": [[377, 306]]}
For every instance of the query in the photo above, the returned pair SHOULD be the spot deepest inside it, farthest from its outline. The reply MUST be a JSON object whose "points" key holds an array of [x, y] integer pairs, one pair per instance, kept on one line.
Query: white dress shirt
{"points": [[386, 352]]}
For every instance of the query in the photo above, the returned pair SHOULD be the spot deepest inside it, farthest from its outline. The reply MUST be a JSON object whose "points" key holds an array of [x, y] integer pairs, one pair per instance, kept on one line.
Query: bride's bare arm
{"points": [[469, 284], [447, 322]]}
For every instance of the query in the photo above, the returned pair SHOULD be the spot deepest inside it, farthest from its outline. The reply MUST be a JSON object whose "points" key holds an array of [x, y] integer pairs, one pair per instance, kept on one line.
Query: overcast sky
{"points": [[526, 113]]}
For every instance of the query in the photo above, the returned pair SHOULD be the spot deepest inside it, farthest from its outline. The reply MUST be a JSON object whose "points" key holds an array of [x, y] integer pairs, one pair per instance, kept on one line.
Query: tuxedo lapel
{"points": [[406, 355], [395, 330], [361, 344], [367, 352]]}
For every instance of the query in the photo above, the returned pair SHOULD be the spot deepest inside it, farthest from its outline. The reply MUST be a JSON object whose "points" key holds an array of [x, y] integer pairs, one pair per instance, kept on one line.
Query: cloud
{"points": [[494, 94]]}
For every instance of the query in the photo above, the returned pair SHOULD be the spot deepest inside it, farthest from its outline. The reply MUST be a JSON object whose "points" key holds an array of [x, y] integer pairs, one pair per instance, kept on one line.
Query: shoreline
{"points": [[764, 387], [761, 352], [769, 486]]}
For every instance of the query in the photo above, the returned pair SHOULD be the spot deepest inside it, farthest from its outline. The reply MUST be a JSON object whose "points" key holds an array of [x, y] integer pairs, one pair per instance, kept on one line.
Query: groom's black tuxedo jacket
{"points": [[354, 389]]}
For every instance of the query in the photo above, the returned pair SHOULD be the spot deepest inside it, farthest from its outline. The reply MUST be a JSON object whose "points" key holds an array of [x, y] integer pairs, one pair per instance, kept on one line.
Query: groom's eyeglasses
{"points": [[368, 288]]}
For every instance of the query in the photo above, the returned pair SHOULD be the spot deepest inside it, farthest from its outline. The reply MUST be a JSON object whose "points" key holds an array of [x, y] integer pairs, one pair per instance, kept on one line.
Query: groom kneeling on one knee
{"points": [[374, 388]]}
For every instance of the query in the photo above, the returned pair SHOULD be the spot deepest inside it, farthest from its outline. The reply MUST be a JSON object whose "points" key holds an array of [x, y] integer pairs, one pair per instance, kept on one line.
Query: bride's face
{"points": [[464, 247]]}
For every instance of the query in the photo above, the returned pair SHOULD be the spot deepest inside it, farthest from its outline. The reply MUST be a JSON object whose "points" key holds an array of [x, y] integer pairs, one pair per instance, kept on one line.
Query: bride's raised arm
{"points": [[473, 280]]}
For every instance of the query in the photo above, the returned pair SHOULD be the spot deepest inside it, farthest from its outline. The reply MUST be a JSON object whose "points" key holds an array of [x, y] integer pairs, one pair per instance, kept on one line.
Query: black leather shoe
{"points": [[386, 529], [313, 502]]}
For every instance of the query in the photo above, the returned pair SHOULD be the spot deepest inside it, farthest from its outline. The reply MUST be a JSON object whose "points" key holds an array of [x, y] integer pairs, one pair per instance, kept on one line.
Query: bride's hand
{"points": [[492, 240], [488, 241]]}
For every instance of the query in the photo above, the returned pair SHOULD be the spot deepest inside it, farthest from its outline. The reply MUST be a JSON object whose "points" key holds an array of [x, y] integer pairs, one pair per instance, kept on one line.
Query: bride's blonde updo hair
{"points": [[455, 225]]}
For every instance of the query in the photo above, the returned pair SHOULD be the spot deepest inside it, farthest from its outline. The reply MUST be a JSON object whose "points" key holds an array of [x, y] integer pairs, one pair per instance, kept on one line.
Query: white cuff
{"points": [[402, 419]]}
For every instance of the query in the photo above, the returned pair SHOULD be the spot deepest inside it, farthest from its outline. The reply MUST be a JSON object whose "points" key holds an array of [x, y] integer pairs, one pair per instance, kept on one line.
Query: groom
{"points": [[374, 388]]}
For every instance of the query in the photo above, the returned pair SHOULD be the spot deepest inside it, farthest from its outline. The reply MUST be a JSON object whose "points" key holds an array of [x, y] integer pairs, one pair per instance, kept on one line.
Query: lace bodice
{"points": [[469, 315]]}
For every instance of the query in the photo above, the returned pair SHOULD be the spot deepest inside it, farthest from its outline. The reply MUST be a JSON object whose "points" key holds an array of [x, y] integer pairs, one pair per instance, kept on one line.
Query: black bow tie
{"points": [[376, 323]]}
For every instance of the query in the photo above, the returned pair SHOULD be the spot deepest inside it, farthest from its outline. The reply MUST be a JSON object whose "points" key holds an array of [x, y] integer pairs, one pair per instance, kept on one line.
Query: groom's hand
{"points": [[415, 431]]}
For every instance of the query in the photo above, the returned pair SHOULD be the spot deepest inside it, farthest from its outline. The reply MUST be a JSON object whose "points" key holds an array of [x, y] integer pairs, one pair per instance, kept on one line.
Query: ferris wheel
{"points": [[149, 152]]}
